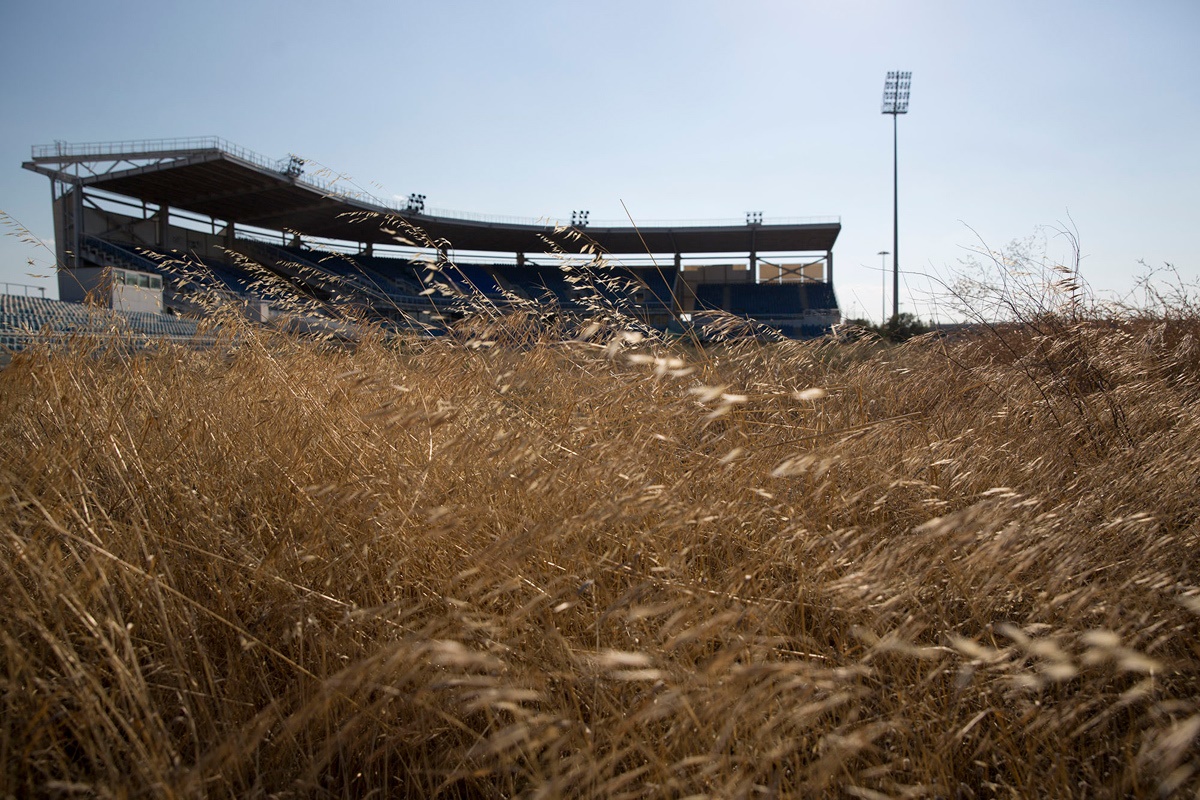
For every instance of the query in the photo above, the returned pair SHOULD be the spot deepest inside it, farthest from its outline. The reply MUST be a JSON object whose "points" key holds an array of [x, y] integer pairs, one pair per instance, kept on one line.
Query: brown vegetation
{"points": [[605, 568]]}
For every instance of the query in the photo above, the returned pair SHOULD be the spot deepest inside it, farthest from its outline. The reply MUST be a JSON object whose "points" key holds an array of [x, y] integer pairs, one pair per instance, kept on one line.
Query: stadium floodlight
{"points": [[295, 166], [754, 217], [895, 92], [416, 203], [895, 102], [579, 219]]}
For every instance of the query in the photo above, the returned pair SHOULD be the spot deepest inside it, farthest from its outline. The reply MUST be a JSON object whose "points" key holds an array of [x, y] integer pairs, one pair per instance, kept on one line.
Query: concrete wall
{"points": [[718, 273], [81, 285], [144, 233], [137, 298]]}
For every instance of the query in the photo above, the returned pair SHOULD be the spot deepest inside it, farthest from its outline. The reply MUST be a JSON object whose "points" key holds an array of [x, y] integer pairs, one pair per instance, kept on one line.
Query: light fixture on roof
{"points": [[416, 204], [895, 102], [754, 217], [295, 166], [579, 219]]}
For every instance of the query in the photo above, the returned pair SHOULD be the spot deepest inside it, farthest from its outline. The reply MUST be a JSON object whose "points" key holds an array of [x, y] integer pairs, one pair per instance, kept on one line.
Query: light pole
{"points": [[895, 102], [883, 288]]}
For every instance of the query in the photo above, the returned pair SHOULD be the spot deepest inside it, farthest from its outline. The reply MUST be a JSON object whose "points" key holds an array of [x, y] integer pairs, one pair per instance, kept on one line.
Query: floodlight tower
{"points": [[895, 102]]}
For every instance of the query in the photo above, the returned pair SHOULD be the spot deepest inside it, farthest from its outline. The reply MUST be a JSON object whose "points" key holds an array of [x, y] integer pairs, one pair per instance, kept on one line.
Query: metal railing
{"points": [[24, 287], [704, 223], [150, 146]]}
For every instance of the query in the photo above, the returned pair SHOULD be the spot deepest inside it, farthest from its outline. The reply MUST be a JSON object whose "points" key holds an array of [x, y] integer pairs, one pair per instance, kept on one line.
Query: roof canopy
{"points": [[212, 177]]}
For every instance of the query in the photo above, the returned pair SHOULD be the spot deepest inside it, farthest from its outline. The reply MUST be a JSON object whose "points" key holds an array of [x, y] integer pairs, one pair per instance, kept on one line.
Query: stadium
{"points": [[154, 230]]}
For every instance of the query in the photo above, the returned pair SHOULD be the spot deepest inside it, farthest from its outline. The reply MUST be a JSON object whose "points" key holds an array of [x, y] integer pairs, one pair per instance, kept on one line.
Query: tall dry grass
{"points": [[513, 564]]}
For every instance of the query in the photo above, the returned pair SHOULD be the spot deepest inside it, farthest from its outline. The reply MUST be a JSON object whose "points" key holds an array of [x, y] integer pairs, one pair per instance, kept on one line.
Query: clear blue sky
{"points": [[1022, 113]]}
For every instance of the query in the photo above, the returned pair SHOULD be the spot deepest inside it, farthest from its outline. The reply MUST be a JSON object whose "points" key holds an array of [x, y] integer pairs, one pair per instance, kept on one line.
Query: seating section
{"points": [[659, 285], [398, 290], [820, 295], [340, 271], [710, 295], [629, 288], [538, 282], [573, 287], [388, 283], [22, 317], [766, 300], [237, 281], [298, 267], [395, 276], [470, 278]]}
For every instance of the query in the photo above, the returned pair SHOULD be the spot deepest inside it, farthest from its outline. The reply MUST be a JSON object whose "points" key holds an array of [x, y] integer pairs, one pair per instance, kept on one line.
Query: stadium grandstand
{"points": [[156, 229]]}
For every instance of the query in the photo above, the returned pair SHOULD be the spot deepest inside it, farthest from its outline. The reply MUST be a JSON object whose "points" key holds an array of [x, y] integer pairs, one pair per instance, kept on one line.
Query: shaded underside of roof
{"points": [[222, 186]]}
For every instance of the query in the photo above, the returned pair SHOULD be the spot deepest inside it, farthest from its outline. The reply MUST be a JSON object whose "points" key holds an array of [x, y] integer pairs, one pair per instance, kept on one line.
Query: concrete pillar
{"points": [[753, 255], [160, 225], [77, 223]]}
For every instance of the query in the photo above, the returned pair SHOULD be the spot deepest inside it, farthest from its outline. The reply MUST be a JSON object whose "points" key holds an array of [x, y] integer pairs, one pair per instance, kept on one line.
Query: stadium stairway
{"points": [[105, 253]]}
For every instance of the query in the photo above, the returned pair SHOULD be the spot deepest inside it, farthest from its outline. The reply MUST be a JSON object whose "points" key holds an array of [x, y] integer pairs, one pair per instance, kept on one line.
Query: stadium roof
{"points": [[212, 177]]}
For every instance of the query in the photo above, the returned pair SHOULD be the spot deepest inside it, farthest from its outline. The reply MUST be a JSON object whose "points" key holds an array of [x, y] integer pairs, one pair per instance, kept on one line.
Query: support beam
{"points": [[753, 254], [77, 224], [161, 217]]}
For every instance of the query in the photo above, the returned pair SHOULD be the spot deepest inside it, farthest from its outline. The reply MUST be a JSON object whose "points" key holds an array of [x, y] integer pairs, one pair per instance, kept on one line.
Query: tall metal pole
{"points": [[895, 102], [895, 221], [883, 254]]}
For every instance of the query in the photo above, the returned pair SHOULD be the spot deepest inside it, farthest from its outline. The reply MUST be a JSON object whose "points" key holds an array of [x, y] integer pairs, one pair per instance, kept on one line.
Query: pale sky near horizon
{"points": [[1025, 116]]}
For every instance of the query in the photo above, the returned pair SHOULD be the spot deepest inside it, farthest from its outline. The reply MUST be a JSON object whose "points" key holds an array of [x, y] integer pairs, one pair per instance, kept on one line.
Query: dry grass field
{"points": [[501, 564]]}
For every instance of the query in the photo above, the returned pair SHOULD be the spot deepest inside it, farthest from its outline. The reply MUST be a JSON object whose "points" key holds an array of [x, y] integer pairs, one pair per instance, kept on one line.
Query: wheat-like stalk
{"points": [[547, 558]]}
